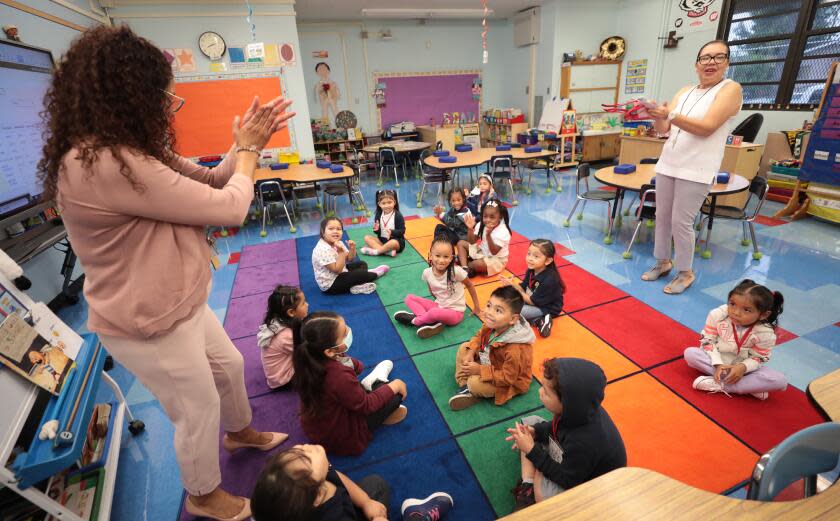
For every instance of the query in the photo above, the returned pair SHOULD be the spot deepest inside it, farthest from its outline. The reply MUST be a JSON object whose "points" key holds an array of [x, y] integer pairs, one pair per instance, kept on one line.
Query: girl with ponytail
{"points": [[736, 343], [337, 410]]}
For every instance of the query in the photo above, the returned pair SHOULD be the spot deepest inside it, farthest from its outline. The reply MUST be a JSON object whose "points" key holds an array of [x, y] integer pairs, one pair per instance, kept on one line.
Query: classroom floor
{"points": [[633, 330]]}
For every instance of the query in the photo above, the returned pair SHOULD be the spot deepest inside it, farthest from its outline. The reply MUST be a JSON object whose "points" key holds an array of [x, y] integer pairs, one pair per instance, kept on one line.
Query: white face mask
{"points": [[347, 342]]}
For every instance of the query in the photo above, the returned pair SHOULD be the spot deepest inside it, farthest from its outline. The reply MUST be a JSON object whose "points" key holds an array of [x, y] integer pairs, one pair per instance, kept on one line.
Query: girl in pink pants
{"points": [[446, 282]]}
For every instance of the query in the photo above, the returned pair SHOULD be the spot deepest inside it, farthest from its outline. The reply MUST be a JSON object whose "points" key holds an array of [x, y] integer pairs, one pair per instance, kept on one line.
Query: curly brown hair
{"points": [[107, 92]]}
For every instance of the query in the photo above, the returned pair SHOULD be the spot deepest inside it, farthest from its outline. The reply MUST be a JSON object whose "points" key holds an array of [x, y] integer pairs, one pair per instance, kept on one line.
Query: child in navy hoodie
{"points": [[580, 443]]}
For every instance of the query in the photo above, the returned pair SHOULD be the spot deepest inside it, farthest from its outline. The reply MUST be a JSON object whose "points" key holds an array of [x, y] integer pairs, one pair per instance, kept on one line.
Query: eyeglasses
{"points": [[176, 102], [708, 58]]}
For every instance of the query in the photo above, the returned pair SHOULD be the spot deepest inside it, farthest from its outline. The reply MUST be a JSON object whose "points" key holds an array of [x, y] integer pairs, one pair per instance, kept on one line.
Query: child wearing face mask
{"points": [[337, 410]]}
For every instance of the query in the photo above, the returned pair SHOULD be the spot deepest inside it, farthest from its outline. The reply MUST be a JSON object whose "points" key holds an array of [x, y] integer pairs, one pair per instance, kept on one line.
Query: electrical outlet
{"points": [[527, 89], [547, 91]]}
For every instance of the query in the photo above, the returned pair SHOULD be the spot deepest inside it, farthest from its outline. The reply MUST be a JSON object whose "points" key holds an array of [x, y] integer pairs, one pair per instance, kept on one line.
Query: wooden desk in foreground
{"points": [[825, 390], [634, 493]]}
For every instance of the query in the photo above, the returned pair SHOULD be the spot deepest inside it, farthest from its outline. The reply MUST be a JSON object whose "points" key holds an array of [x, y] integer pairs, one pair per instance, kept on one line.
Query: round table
{"points": [[633, 182], [398, 146]]}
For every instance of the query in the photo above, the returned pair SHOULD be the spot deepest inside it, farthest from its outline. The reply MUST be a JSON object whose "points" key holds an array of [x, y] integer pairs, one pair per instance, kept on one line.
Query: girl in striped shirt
{"points": [[736, 343]]}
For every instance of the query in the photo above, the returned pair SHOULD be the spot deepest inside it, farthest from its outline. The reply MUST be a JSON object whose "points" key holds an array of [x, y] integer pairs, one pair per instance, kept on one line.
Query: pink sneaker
{"points": [[393, 253], [380, 270]]}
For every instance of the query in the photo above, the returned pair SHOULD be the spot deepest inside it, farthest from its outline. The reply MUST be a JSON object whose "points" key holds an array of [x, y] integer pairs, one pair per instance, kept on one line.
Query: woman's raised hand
{"points": [[258, 124]]}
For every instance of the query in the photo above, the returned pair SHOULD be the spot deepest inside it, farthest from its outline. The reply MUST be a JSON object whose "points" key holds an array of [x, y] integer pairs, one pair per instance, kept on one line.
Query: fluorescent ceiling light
{"points": [[426, 13]]}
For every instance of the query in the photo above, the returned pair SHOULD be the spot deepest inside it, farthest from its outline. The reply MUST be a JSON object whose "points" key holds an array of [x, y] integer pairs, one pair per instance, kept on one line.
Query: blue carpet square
{"points": [[320, 301], [374, 336]]}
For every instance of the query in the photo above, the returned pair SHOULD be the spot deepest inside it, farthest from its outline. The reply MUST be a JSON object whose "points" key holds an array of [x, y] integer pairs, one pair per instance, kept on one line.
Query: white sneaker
{"points": [[708, 384], [366, 288], [761, 396], [380, 373]]}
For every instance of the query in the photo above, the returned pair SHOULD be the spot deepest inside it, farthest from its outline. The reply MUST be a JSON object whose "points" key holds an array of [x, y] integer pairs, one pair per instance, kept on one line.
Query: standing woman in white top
{"points": [[699, 119]]}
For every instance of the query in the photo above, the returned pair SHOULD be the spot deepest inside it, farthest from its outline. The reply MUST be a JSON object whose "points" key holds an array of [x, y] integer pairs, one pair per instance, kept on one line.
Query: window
{"points": [[781, 50]]}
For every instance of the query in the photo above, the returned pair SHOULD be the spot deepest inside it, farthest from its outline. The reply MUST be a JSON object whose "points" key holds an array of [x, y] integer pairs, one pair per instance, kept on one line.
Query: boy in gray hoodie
{"points": [[580, 443]]}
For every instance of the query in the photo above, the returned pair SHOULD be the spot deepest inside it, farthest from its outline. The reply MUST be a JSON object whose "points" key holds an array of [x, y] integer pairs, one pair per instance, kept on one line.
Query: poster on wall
{"points": [[326, 91], [636, 77], [689, 16], [182, 60]]}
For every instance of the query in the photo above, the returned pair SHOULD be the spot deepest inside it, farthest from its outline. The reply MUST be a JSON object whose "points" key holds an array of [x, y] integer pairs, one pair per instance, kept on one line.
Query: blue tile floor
{"points": [[800, 259]]}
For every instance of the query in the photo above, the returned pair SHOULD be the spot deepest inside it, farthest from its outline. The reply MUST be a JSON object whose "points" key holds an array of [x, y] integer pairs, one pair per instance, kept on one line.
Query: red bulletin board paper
{"points": [[203, 125]]}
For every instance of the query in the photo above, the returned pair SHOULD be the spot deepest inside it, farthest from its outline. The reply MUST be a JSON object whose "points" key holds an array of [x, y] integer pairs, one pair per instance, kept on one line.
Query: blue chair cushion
{"points": [[336, 169], [531, 150], [624, 169], [448, 159], [722, 178], [463, 148], [502, 148], [322, 164], [279, 166], [440, 153]]}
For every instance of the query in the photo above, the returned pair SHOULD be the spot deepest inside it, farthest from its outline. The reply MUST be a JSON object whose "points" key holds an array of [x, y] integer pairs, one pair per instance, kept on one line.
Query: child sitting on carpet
{"points": [[300, 484], [580, 443], [489, 240], [481, 194], [286, 305], [333, 273], [337, 410], [496, 362], [388, 225], [736, 342], [446, 282], [453, 225], [542, 288]]}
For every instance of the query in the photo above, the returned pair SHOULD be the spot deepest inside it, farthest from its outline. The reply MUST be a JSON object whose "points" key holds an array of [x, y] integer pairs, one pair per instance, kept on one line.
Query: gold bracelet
{"points": [[250, 148]]}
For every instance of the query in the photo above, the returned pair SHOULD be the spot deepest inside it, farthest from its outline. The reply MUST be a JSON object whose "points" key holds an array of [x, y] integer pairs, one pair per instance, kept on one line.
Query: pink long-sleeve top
{"points": [[145, 253]]}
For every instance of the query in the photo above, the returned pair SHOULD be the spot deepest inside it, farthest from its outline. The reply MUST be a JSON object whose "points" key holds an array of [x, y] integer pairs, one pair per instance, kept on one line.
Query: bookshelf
{"points": [[337, 150], [493, 134]]}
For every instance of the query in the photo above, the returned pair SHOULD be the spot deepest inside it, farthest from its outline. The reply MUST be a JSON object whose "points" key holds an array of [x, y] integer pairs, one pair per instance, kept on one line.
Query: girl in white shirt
{"points": [[488, 240], [335, 273], [388, 225]]}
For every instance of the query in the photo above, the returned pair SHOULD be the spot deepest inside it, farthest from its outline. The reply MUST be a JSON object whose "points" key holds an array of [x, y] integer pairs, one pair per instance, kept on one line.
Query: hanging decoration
{"points": [[484, 32], [476, 89], [251, 22], [379, 94]]}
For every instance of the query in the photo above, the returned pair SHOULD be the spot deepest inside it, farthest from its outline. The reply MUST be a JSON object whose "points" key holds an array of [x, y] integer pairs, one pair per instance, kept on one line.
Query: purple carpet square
{"points": [[255, 382], [277, 251], [265, 277], [274, 412], [244, 315]]}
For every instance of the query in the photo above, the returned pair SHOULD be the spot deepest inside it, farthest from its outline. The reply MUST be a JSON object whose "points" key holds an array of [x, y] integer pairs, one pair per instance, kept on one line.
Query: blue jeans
{"points": [[532, 313]]}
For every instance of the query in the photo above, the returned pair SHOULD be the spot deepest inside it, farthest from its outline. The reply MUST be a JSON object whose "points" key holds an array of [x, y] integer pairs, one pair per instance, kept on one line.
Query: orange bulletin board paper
{"points": [[203, 125]]}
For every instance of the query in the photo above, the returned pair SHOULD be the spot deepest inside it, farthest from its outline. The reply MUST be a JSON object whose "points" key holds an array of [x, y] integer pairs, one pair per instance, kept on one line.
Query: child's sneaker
{"points": [[708, 384], [368, 251], [432, 508], [393, 253], [366, 288], [397, 416], [761, 396], [380, 270], [545, 326], [380, 373], [404, 317], [430, 331], [463, 400], [523, 495]]}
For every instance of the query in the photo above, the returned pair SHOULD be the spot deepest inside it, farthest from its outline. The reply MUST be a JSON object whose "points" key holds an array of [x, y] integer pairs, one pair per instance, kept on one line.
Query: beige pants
{"points": [[196, 373], [474, 383], [494, 264]]}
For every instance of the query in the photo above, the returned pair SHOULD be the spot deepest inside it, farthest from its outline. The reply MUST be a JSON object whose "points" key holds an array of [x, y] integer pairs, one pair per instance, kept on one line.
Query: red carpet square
{"points": [[769, 221], [516, 260], [584, 289], [783, 335], [516, 237], [562, 250], [662, 432], [760, 424], [234, 257], [356, 219], [411, 217], [643, 334]]}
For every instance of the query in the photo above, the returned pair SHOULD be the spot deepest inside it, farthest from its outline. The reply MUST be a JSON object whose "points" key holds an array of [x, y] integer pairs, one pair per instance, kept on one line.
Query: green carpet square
{"points": [[408, 256], [401, 281], [438, 371], [451, 335], [496, 466]]}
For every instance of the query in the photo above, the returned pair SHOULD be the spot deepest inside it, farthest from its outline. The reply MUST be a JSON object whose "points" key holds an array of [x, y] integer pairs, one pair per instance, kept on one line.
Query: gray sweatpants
{"points": [[677, 203]]}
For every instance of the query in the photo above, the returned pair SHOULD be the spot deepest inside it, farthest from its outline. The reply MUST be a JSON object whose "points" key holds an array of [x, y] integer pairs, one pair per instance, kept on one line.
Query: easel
{"points": [[73, 409], [797, 206]]}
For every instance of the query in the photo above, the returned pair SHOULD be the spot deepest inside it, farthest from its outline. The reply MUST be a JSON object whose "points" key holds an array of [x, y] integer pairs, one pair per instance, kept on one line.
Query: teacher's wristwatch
{"points": [[250, 148], [672, 115]]}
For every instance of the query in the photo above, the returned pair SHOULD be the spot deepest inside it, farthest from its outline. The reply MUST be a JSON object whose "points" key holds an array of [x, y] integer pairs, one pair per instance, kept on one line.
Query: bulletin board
{"points": [[421, 96], [203, 125]]}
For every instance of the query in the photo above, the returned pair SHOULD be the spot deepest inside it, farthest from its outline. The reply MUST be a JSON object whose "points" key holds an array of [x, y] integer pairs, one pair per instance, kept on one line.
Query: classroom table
{"points": [[633, 183], [399, 146], [307, 173], [825, 391], [633, 493]]}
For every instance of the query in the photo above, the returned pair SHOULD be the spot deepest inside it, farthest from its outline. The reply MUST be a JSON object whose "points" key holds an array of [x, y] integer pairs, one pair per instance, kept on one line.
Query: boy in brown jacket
{"points": [[496, 362]]}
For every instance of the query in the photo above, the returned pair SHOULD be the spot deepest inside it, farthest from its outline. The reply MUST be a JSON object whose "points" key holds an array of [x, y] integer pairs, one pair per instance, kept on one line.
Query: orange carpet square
{"points": [[570, 339], [584, 289], [422, 244], [662, 432], [483, 291], [484, 279], [516, 260], [421, 227]]}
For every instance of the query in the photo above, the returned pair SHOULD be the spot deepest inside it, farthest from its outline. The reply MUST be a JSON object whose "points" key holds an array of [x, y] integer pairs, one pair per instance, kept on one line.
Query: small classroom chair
{"points": [[388, 159], [431, 175], [586, 195], [645, 212], [501, 167], [533, 164], [758, 191], [748, 129], [644, 161], [332, 191], [802, 455], [439, 145], [271, 192]]}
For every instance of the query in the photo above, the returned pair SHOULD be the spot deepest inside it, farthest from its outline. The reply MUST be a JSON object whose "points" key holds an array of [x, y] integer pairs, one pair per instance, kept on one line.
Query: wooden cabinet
{"points": [[590, 83], [493, 134], [601, 147], [337, 151]]}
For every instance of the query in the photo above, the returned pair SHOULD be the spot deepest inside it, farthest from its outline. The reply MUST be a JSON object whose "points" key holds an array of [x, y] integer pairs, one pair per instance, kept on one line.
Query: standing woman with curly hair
{"points": [[135, 212]]}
